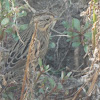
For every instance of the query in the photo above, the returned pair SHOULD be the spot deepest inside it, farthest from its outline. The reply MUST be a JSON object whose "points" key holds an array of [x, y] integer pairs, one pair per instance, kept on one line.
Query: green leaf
{"points": [[52, 82], [69, 74], [1, 1], [9, 30], [4, 95], [86, 25], [23, 13], [76, 44], [50, 58], [65, 32], [40, 62], [76, 39], [76, 24], [75, 34], [68, 40], [52, 45], [65, 24], [5, 21], [10, 95], [70, 34], [60, 86], [41, 90], [88, 35], [47, 67], [7, 5], [23, 27], [86, 48], [14, 35], [12, 88]]}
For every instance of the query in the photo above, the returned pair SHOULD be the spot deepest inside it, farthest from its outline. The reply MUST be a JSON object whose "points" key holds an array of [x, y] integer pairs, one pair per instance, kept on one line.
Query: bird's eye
{"points": [[47, 19]]}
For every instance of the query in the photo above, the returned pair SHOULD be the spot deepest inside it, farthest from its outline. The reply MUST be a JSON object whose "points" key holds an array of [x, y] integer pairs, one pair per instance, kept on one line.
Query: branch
{"points": [[32, 9]]}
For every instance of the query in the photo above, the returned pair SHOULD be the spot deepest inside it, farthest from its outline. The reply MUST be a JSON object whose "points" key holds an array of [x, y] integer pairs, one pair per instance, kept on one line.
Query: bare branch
{"points": [[32, 9]]}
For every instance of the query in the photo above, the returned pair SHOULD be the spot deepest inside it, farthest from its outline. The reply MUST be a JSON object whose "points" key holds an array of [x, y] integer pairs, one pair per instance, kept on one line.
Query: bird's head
{"points": [[44, 21]]}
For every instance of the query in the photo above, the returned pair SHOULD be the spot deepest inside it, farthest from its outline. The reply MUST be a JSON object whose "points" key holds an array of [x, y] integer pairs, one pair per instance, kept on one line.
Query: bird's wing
{"points": [[19, 51]]}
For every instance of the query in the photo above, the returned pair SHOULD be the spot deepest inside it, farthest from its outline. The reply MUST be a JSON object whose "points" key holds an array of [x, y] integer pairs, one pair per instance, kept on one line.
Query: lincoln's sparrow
{"points": [[15, 64]]}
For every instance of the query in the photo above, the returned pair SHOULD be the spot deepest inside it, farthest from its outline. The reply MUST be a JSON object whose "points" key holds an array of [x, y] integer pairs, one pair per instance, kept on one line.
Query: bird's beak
{"points": [[56, 19]]}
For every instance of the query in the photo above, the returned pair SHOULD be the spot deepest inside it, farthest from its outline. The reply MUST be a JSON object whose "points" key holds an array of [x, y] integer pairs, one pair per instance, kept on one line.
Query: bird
{"points": [[15, 65]]}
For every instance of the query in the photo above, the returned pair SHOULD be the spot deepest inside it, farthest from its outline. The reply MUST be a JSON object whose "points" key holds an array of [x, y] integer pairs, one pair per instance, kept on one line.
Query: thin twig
{"points": [[79, 91], [56, 31], [19, 36], [95, 77], [65, 55], [17, 31], [57, 46], [60, 36], [3, 49], [32, 9]]}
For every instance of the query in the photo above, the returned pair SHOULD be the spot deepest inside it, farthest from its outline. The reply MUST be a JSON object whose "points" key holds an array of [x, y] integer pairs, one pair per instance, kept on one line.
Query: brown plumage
{"points": [[15, 65]]}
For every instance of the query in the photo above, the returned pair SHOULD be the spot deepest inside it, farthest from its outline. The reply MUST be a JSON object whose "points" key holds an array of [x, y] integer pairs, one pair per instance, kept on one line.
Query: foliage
{"points": [[52, 45], [77, 34], [8, 96], [49, 84], [10, 11], [45, 84]]}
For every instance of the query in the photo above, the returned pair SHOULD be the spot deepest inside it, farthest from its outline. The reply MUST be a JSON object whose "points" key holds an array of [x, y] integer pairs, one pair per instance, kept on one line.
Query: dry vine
{"points": [[93, 73], [27, 63]]}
